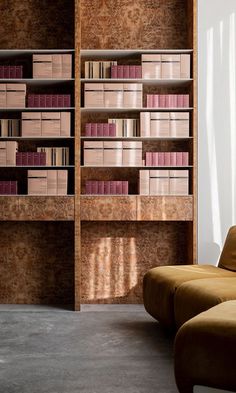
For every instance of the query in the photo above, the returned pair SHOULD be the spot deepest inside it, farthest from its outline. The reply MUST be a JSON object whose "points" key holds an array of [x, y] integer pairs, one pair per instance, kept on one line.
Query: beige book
{"points": [[179, 186], [94, 95], [106, 66], [16, 95], [37, 182], [145, 124], [66, 66], [130, 127], [93, 153], [112, 153], [3, 95], [179, 124], [11, 148], [42, 66], [151, 66], [86, 69], [3, 154], [159, 124], [51, 123], [31, 124], [62, 182], [185, 66], [159, 186], [4, 127], [57, 66], [132, 153], [170, 66], [52, 184], [113, 95], [133, 95], [65, 123], [15, 127], [144, 177], [96, 69]]}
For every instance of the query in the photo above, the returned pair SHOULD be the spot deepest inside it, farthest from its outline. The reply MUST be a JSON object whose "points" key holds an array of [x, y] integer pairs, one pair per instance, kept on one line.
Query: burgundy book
{"points": [[149, 100], [179, 160], [112, 129], [1, 72], [148, 161], [113, 71], [155, 160], [61, 102], [167, 159], [125, 187], [100, 127], [168, 101], [162, 100], [132, 71], [19, 72], [48, 100], [54, 100], [161, 159], [30, 158], [88, 187], [6, 72], [185, 100], [173, 160], [138, 72], [12, 72], [113, 187], [185, 160], [36, 101], [7, 188], [106, 129], [94, 187], [1, 187], [42, 101], [24, 158], [119, 187], [18, 158], [101, 187], [126, 73], [94, 131], [120, 71], [156, 101], [175, 100], [107, 187], [31, 100], [13, 186], [88, 129], [36, 159], [180, 101], [42, 158], [67, 101]]}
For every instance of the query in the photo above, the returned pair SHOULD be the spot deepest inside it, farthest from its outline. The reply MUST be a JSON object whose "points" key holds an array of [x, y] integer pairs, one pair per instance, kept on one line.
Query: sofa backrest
{"points": [[228, 255]]}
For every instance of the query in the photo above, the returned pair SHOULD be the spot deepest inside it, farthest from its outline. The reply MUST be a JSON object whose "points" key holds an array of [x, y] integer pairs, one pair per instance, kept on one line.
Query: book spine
{"points": [[167, 159], [185, 158], [138, 72], [18, 158], [101, 187], [148, 159], [94, 129], [88, 129], [112, 129], [100, 129], [30, 158], [132, 71], [120, 71], [126, 71], [88, 187], [125, 187], [114, 72]]}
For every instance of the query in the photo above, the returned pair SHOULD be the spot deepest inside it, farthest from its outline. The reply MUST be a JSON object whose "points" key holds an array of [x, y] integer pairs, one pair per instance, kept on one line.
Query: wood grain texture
{"points": [[165, 208], [108, 208], [36, 24], [36, 262], [146, 24], [25, 208], [115, 256]]}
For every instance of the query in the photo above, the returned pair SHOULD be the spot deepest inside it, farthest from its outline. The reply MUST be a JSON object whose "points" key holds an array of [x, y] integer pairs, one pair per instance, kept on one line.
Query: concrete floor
{"points": [[117, 349]]}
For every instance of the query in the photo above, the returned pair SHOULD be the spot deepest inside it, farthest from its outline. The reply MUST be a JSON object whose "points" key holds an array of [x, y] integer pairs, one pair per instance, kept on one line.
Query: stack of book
{"points": [[167, 100], [112, 153], [108, 187], [8, 187], [49, 100], [163, 182], [52, 66], [30, 158], [126, 72], [8, 152], [100, 129], [167, 159], [9, 127], [46, 124], [126, 127], [12, 95], [165, 66], [98, 69], [11, 72], [51, 182], [55, 156], [164, 124], [113, 95]]}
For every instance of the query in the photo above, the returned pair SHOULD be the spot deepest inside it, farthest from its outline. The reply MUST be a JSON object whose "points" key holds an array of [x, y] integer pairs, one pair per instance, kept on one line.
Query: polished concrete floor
{"points": [[117, 349]]}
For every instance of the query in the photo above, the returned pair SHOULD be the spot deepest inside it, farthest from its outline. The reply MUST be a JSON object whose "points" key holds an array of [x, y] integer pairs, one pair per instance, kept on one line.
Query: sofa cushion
{"points": [[228, 255], [160, 284]]}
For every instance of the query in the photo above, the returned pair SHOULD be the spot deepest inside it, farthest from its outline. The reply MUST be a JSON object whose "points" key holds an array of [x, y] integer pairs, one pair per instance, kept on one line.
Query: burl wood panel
{"points": [[125, 24], [108, 208], [36, 24], [115, 256], [37, 262], [30, 208], [165, 208]]}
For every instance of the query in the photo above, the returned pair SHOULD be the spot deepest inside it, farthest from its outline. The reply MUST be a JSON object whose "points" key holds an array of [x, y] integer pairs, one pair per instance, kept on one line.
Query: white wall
{"points": [[217, 125]]}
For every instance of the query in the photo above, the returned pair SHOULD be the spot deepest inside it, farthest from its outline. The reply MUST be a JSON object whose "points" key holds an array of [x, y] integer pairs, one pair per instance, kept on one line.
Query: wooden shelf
{"points": [[36, 109], [139, 167], [38, 82], [83, 109], [147, 82], [6, 53], [136, 138], [36, 138], [119, 53], [36, 208], [136, 208], [38, 166]]}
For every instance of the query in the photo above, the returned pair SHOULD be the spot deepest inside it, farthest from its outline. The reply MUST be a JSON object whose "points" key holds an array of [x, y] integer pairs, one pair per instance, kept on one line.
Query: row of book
{"points": [[11, 72], [98, 69], [9, 127], [126, 72], [8, 187], [52, 66], [167, 100], [100, 129], [49, 100], [55, 156], [167, 159], [166, 66], [107, 187], [30, 158], [163, 182], [114, 127], [47, 182], [12, 95]]}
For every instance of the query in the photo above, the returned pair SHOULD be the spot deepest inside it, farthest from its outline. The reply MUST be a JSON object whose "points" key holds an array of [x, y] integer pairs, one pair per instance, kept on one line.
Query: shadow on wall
{"points": [[217, 125]]}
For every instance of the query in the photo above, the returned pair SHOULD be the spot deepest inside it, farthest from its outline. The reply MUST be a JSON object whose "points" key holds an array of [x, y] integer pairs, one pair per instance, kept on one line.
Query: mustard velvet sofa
{"points": [[162, 284]]}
